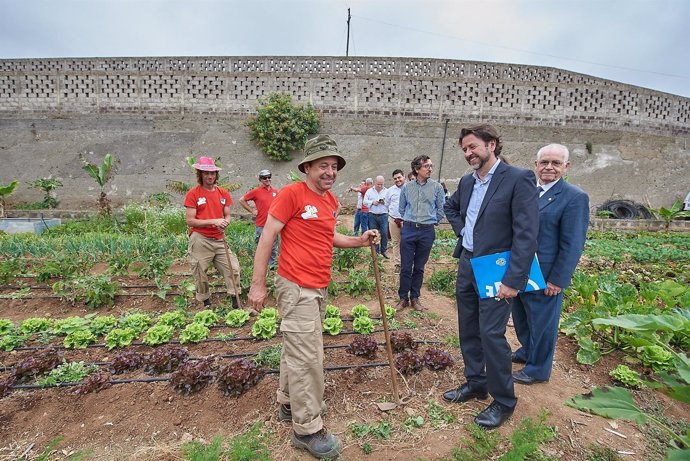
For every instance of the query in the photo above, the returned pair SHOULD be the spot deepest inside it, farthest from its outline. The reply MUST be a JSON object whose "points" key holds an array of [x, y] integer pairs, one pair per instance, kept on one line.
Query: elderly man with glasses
{"points": [[421, 207], [262, 196]]}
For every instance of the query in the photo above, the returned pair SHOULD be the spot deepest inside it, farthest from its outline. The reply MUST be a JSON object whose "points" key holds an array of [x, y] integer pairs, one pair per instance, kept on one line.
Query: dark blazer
{"points": [[563, 222], [508, 219]]}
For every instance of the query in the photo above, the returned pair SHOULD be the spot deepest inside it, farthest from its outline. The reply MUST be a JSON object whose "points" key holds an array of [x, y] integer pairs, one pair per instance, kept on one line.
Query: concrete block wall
{"points": [[411, 88]]}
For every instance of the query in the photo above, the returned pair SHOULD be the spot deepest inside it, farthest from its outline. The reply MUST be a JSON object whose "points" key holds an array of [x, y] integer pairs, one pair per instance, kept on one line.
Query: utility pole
{"points": [[347, 47]]}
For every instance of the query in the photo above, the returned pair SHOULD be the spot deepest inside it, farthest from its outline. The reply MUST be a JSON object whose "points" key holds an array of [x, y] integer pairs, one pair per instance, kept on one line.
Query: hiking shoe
{"points": [[207, 302], [235, 304], [284, 413], [321, 445]]}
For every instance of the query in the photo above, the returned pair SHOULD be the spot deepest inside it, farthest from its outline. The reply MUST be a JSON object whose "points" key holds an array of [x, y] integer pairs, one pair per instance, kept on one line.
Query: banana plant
{"points": [[101, 174], [5, 191], [669, 214]]}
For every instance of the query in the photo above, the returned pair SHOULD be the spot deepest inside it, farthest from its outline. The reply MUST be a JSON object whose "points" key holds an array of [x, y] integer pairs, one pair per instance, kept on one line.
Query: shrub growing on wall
{"points": [[281, 127]]}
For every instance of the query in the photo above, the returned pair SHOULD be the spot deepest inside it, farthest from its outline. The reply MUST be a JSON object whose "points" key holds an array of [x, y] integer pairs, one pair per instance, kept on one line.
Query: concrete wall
{"points": [[152, 112]]}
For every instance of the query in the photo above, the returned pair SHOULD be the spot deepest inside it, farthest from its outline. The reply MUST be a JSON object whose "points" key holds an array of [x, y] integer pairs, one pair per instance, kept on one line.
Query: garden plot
{"points": [[132, 409]]}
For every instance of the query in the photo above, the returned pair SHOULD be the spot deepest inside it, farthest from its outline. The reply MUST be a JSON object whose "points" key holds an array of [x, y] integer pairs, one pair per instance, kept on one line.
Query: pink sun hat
{"points": [[206, 164]]}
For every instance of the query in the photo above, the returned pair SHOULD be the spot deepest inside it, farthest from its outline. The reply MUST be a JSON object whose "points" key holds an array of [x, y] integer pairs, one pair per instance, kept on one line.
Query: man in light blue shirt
{"points": [[375, 200], [421, 207]]}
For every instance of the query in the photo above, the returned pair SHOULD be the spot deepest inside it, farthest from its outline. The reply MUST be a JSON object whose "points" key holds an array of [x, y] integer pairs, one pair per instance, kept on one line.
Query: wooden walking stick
{"points": [[232, 275], [385, 406]]}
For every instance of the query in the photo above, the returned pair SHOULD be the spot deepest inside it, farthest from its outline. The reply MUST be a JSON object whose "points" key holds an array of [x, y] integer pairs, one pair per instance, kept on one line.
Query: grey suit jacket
{"points": [[508, 219]]}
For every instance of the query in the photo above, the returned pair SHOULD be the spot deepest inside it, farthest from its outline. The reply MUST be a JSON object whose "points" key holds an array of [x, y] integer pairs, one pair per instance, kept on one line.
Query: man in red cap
{"points": [[262, 196], [207, 208]]}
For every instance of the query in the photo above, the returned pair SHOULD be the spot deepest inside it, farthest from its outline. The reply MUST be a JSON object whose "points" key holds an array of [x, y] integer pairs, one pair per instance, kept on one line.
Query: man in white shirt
{"points": [[394, 217], [375, 200]]}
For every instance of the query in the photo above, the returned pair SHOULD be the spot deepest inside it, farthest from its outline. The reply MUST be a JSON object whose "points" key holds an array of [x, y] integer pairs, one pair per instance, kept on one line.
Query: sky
{"points": [[639, 42]]}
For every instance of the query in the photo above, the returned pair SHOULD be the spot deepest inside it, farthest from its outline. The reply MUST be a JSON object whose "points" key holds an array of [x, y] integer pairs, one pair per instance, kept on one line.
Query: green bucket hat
{"points": [[319, 147]]}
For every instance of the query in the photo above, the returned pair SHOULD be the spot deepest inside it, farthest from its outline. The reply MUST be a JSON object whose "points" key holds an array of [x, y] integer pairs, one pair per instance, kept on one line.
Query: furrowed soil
{"points": [[151, 421]]}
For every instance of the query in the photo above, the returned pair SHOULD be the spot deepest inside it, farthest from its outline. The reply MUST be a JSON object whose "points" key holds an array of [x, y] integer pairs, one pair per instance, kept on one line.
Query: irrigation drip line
{"points": [[29, 387]]}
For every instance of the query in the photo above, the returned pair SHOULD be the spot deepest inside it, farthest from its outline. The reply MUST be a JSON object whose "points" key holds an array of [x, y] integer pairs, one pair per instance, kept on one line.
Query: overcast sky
{"points": [[640, 42]]}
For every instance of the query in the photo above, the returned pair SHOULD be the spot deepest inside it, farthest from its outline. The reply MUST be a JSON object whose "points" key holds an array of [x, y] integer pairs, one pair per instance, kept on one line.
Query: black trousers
{"points": [[485, 349]]}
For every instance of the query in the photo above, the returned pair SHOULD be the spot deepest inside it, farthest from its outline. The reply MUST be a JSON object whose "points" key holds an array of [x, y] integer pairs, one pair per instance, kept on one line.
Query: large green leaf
{"points": [[609, 402], [646, 323], [678, 455], [8, 189], [680, 393], [588, 353]]}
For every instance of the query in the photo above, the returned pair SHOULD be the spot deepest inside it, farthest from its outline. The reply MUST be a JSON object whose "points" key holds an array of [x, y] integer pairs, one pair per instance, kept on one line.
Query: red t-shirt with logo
{"points": [[363, 190], [209, 204], [262, 197], [306, 244]]}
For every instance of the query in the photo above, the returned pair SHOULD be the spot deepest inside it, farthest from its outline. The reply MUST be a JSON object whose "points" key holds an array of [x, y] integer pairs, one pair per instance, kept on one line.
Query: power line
{"points": [[522, 50]]}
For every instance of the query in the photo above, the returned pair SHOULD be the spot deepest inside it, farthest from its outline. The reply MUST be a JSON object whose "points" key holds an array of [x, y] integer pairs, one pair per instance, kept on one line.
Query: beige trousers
{"points": [[394, 242], [202, 252], [301, 383]]}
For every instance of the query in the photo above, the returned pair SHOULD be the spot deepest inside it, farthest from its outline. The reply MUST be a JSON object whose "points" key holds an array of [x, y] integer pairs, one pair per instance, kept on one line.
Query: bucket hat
{"points": [[319, 147], [206, 164]]}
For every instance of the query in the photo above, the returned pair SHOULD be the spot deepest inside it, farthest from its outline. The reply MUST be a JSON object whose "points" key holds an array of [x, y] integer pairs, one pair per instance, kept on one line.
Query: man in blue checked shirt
{"points": [[421, 207]]}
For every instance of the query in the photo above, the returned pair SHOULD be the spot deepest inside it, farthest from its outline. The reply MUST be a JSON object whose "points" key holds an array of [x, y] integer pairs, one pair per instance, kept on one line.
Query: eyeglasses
{"points": [[264, 177], [428, 166], [545, 163]]}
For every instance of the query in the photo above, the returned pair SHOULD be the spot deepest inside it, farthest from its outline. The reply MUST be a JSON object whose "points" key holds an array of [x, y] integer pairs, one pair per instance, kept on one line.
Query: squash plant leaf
{"points": [[588, 353], [609, 402]]}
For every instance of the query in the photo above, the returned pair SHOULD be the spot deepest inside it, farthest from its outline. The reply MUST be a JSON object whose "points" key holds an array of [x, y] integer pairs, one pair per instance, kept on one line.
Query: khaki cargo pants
{"points": [[202, 252], [301, 383]]}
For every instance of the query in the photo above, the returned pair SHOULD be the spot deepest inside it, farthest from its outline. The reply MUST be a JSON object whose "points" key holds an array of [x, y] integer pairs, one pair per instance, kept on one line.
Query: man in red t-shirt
{"points": [[207, 209], [304, 213], [262, 197]]}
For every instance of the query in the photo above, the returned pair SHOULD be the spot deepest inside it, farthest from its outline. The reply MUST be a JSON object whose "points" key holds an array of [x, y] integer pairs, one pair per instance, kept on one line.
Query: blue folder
{"points": [[490, 269]]}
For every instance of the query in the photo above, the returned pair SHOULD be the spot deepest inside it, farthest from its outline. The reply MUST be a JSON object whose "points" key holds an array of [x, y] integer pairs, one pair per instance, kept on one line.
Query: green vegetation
{"points": [[281, 127], [48, 186], [101, 174], [6, 191]]}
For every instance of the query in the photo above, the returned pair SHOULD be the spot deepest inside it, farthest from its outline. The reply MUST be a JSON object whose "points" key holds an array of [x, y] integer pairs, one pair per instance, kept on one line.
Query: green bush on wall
{"points": [[280, 127]]}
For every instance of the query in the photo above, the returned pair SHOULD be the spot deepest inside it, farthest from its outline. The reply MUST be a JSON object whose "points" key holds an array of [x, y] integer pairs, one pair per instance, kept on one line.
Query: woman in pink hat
{"points": [[208, 214]]}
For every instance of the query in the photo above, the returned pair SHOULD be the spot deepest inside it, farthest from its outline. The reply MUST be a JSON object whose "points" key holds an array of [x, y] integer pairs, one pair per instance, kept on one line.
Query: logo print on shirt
{"points": [[222, 201], [201, 201], [310, 212]]}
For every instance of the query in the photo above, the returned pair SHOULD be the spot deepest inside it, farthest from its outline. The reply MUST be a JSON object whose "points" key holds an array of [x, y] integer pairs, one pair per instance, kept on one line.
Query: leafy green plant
{"points": [[332, 311], [360, 310], [270, 313], [588, 146], [626, 376], [265, 328], [48, 186], [236, 317], [9, 270], [253, 445], [120, 337], [101, 174], [102, 324], [359, 282], [79, 339], [390, 311], [176, 319], [333, 325], [6, 191], [363, 325], [158, 334], [35, 325], [197, 451], [669, 214], [193, 333], [442, 281], [62, 327], [438, 415], [269, 357], [618, 403], [280, 127], [137, 321], [206, 317], [67, 372]]}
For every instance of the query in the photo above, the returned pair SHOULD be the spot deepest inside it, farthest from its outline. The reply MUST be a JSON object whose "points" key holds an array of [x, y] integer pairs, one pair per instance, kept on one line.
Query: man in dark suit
{"points": [[493, 210], [563, 221]]}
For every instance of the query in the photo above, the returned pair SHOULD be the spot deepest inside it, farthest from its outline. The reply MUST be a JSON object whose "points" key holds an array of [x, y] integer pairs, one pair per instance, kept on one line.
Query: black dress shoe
{"points": [[494, 415], [516, 359], [523, 378], [463, 394]]}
